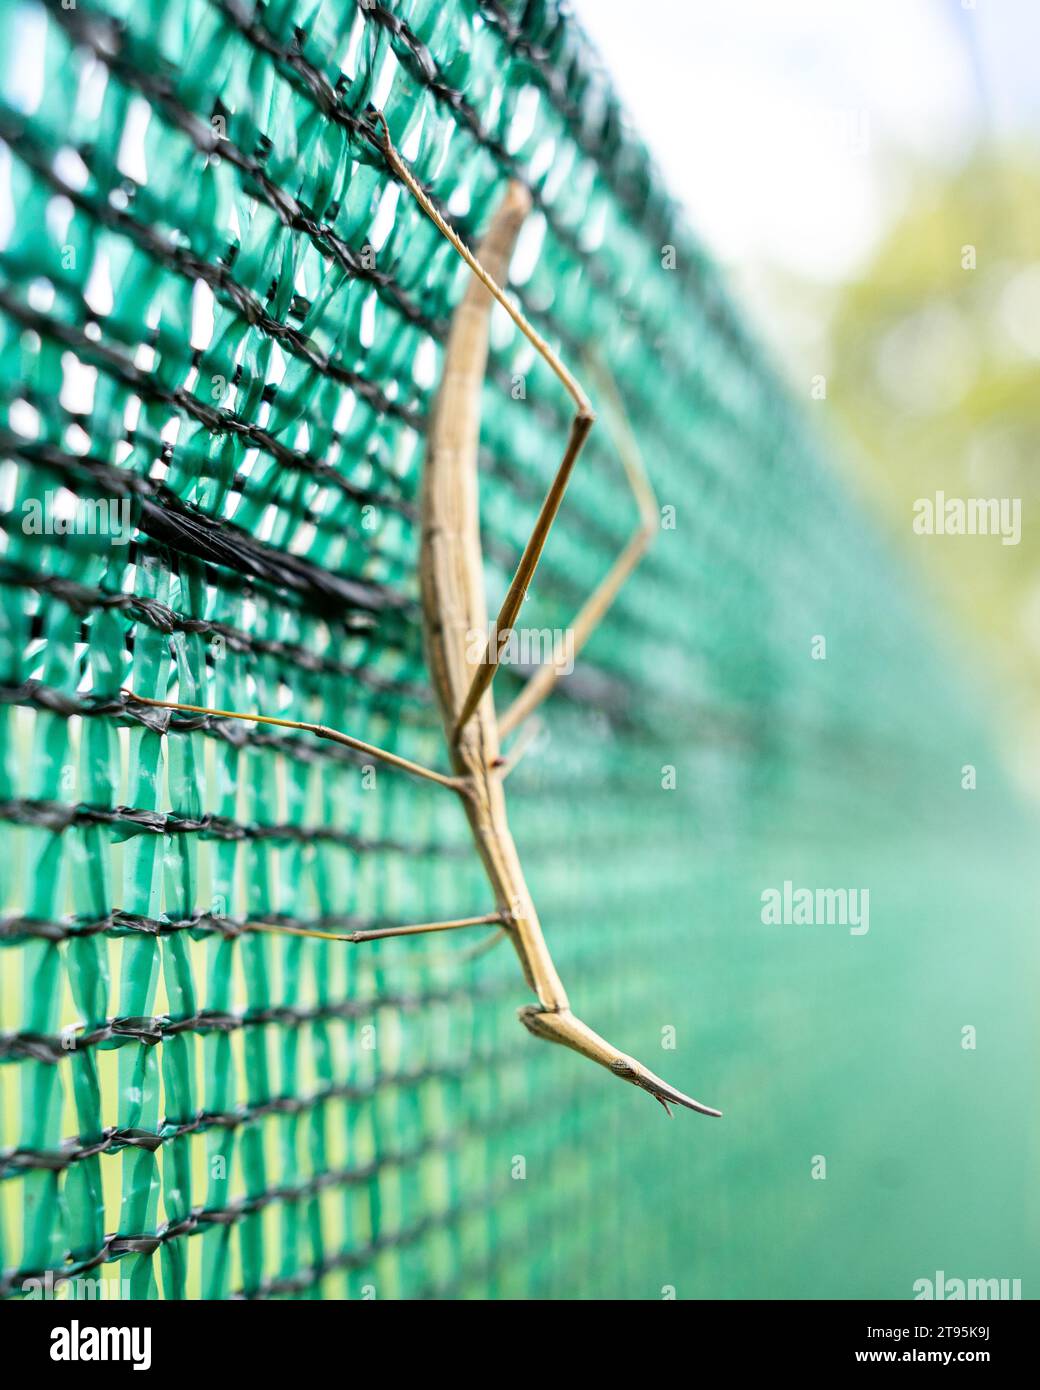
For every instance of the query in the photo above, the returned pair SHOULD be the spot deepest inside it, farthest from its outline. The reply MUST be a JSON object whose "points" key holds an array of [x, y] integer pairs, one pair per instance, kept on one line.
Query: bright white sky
{"points": [[774, 121]]}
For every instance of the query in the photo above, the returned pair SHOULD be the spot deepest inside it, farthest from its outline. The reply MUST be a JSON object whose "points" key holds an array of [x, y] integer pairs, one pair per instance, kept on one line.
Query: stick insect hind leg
{"points": [[592, 612], [584, 419]]}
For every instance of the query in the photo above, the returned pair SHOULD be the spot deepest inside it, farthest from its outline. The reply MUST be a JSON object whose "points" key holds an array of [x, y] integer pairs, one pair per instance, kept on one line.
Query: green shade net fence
{"points": [[221, 328]]}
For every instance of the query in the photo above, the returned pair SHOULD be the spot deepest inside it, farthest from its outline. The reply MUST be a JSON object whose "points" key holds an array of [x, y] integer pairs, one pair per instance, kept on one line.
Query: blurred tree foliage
{"points": [[935, 373]]}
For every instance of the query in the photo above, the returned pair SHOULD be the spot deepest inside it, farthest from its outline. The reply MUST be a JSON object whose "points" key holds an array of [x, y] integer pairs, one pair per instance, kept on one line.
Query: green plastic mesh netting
{"points": [[221, 329]]}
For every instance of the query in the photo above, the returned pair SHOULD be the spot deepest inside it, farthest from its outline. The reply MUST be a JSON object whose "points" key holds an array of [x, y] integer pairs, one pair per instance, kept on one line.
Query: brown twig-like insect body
{"points": [[454, 607]]}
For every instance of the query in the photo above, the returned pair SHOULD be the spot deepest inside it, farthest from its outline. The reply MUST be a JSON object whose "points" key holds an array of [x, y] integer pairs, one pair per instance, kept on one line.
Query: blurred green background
{"points": [[839, 159], [856, 149]]}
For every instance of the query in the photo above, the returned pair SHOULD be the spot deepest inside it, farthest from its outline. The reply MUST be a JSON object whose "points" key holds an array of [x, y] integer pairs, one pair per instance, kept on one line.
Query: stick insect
{"points": [[454, 606]]}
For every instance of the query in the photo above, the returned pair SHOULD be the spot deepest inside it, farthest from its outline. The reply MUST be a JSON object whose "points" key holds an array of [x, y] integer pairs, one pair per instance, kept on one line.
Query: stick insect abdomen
{"points": [[454, 603], [455, 621], [450, 559]]}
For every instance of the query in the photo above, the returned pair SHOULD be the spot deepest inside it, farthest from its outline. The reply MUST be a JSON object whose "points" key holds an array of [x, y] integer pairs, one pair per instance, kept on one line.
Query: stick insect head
{"points": [[561, 1026]]}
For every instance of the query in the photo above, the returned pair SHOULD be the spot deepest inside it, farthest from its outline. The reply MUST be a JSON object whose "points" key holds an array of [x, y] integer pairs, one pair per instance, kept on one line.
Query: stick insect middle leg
{"points": [[540, 685], [319, 730], [456, 784]]}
